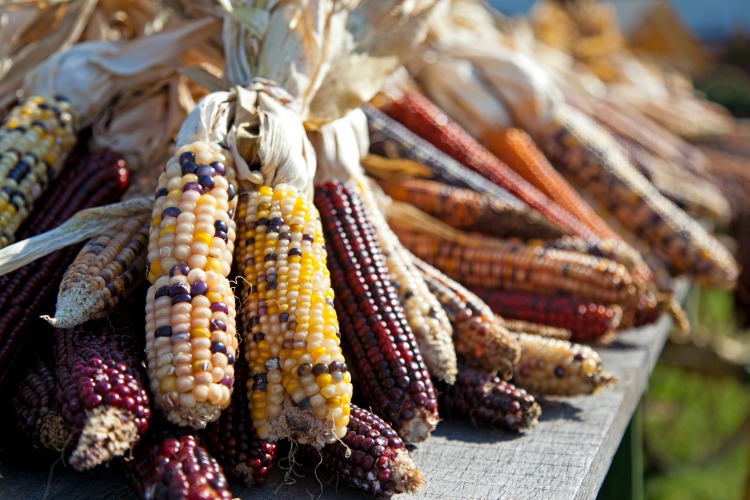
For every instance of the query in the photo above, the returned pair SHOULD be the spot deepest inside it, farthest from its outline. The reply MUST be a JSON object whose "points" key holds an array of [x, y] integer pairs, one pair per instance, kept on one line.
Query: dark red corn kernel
{"points": [[356, 461], [489, 401], [100, 389]]}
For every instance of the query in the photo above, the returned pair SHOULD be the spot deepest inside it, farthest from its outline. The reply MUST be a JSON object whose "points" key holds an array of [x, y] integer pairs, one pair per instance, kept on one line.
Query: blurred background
{"points": [[692, 432]]}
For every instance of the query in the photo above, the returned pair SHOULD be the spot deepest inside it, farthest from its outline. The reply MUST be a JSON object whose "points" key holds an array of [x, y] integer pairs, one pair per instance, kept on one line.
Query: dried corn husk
{"points": [[126, 19]]}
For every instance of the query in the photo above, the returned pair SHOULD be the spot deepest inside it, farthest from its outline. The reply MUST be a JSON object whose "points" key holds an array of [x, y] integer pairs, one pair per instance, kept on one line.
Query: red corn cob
{"points": [[30, 291], [370, 458], [487, 400], [424, 118], [383, 349], [233, 439], [172, 465], [100, 389], [586, 321]]}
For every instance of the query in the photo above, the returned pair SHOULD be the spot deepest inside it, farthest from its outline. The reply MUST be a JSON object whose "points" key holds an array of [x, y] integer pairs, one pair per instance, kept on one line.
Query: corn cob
{"points": [[425, 119], [518, 326], [513, 266], [234, 441], [29, 291], [37, 412], [486, 400], [597, 165], [481, 341], [425, 316], [370, 458], [560, 368], [586, 321], [36, 137], [190, 314], [469, 210], [172, 464], [101, 391], [386, 358], [516, 148], [301, 386]]}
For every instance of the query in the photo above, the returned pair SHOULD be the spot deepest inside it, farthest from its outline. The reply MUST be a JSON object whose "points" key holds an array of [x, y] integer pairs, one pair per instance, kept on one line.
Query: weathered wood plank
{"points": [[567, 456]]}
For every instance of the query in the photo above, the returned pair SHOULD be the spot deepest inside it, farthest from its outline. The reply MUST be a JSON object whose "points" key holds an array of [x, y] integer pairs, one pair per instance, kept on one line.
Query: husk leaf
{"points": [[340, 146]]}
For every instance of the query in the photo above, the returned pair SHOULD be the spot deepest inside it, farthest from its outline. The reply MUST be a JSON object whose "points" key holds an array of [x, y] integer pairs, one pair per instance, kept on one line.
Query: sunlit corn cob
{"points": [[370, 458], [301, 386], [518, 326], [172, 464], [559, 367], [424, 313], [424, 118], [190, 312], [587, 321], [35, 407], [35, 138], [469, 210], [109, 267], [383, 350], [479, 261], [482, 342], [29, 291], [101, 391], [517, 149], [486, 400], [596, 164], [234, 441]]}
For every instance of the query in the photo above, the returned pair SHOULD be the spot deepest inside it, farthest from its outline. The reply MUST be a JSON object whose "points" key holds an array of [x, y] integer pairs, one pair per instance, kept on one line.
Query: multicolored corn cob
{"points": [[29, 291], [191, 339], [517, 149], [301, 385], [487, 400], [424, 118], [587, 321], [478, 338], [172, 464], [370, 458], [559, 367], [596, 164], [478, 261], [425, 316], [35, 138], [35, 407], [518, 326], [384, 353], [233, 439], [469, 210], [101, 391]]}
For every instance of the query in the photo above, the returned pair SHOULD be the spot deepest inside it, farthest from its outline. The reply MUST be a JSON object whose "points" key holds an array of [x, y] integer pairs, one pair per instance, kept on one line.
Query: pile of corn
{"points": [[191, 342]]}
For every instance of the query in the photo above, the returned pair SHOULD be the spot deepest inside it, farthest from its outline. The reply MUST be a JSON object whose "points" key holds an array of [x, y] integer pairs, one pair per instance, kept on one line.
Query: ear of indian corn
{"points": [[370, 458], [469, 210], [101, 391], [424, 118], [35, 138], [488, 401], [300, 386], [172, 464], [29, 291], [478, 261], [482, 342], [587, 321], [383, 350], [596, 164], [35, 406], [559, 367], [191, 338], [425, 316], [234, 441], [518, 326]]}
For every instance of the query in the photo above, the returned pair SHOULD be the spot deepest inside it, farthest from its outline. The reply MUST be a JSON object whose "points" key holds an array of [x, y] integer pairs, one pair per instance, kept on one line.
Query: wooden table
{"points": [[566, 456]]}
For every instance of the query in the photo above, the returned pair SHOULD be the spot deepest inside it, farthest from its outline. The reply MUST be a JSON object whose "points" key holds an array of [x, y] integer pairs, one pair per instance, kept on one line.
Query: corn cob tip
{"points": [[603, 380], [420, 427], [195, 417], [109, 433], [406, 475], [72, 308], [54, 434]]}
